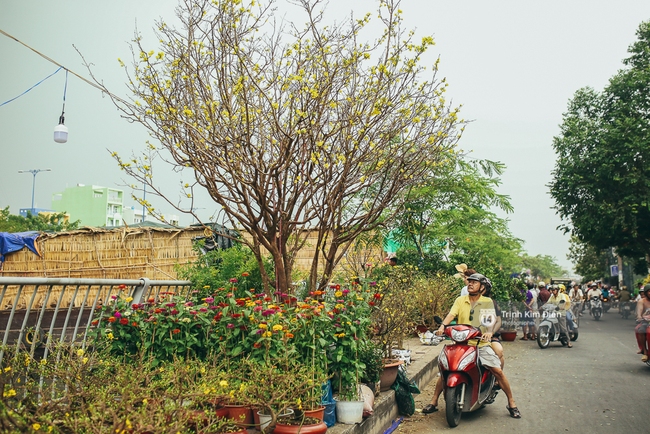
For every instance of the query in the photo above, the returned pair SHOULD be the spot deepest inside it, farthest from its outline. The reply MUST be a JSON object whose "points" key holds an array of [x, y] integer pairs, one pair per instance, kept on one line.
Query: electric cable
{"points": [[16, 97]]}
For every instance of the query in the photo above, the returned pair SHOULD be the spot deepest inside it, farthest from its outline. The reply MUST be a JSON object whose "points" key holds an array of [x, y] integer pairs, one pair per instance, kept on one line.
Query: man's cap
{"points": [[461, 268], [540, 284]]}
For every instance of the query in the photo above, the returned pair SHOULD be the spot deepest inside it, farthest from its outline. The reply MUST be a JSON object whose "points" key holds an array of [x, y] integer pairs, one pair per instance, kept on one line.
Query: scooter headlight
{"points": [[442, 360], [469, 358], [459, 336]]}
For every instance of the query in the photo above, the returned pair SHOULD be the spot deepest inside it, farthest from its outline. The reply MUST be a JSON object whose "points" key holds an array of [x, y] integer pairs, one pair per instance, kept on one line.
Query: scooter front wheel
{"points": [[543, 337], [574, 335], [453, 409]]}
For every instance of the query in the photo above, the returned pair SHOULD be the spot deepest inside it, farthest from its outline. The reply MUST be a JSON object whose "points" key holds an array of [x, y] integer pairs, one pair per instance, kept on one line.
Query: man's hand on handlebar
{"points": [[487, 337], [441, 330]]}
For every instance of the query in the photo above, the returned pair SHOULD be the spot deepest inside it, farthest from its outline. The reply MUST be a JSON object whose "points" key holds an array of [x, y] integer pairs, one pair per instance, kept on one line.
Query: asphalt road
{"points": [[598, 386]]}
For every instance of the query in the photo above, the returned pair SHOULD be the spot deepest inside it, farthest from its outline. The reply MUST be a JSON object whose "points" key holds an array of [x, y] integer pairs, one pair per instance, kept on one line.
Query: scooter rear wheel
{"points": [[574, 335], [453, 409]]}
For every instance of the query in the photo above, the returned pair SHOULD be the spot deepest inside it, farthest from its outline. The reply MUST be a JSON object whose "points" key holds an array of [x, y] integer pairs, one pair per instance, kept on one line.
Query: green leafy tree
{"points": [[450, 213], [601, 181], [590, 262], [290, 128], [54, 222], [542, 266]]}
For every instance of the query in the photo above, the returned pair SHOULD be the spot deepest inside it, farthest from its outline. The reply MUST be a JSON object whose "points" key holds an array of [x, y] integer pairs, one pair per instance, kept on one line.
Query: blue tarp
{"points": [[14, 242]]}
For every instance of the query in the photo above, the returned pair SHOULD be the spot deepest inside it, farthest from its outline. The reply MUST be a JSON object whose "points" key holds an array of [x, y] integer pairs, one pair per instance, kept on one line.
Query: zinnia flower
{"points": [[176, 331], [230, 326], [209, 299], [245, 274], [124, 321], [111, 319], [233, 280]]}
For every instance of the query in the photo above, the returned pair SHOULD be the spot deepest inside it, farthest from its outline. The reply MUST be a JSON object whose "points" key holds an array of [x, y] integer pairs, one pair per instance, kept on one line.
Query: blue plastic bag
{"points": [[330, 414]]}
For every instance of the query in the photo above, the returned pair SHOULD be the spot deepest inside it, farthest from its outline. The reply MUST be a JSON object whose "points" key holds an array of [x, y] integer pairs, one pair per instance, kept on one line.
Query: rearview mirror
{"points": [[437, 319]]}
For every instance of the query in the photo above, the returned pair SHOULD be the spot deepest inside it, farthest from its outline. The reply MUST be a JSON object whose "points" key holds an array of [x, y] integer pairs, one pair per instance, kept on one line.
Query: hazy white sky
{"points": [[513, 65]]}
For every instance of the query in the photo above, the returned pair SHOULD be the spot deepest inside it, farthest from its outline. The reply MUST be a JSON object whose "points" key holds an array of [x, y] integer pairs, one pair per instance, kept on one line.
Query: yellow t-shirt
{"points": [[478, 314]]}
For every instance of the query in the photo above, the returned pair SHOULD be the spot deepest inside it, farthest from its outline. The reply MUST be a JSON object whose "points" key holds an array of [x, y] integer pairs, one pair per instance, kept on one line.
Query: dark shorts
{"points": [[529, 319]]}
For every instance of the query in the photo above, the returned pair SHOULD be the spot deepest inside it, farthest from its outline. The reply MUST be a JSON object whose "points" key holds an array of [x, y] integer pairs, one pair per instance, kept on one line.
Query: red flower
{"points": [[124, 321], [95, 322], [377, 296], [134, 324], [245, 274], [257, 345], [176, 331], [371, 303], [151, 300], [233, 280], [123, 286]]}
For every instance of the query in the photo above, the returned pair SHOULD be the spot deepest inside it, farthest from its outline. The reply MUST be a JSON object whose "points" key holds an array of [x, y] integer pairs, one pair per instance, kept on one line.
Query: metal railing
{"points": [[37, 311]]}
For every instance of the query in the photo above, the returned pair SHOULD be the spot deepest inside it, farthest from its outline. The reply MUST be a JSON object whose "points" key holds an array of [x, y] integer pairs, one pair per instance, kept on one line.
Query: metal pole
{"points": [[34, 172]]}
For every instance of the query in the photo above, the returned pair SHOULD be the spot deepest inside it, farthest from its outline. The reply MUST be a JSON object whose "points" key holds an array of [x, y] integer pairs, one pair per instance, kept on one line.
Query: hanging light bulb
{"points": [[61, 132]]}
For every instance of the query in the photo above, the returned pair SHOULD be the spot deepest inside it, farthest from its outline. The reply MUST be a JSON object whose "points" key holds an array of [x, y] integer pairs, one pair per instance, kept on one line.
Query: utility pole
{"points": [[34, 172]]}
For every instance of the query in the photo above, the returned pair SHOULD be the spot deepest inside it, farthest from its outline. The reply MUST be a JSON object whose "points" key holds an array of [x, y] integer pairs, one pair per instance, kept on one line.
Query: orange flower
{"points": [[111, 319], [176, 331], [289, 335], [245, 274]]}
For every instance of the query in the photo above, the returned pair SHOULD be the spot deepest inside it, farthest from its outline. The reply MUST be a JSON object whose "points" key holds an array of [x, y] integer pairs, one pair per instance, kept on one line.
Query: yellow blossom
{"points": [[36, 426], [223, 383], [9, 393], [129, 299], [277, 327]]}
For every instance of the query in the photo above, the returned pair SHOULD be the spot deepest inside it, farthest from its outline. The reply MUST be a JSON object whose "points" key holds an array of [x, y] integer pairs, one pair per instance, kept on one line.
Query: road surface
{"points": [[598, 386]]}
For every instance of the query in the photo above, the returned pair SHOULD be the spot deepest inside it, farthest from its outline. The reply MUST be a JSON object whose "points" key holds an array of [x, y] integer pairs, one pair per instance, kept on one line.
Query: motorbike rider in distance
{"points": [[593, 292], [467, 310], [561, 300]]}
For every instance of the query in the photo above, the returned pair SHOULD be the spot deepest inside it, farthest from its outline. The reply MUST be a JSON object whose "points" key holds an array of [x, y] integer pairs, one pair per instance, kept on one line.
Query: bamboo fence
{"points": [[122, 253]]}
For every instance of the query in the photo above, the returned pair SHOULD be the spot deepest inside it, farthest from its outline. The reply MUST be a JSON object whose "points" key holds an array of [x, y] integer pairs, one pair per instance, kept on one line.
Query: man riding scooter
{"points": [[561, 300], [466, 311]]}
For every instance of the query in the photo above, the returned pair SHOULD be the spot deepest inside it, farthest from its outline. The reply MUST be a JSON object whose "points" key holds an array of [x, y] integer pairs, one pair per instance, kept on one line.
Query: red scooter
{"points": [[468, 386]]}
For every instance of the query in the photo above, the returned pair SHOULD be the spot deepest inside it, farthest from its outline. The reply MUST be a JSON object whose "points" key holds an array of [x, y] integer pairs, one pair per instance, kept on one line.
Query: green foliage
{"points": [[542, 266], [601, 180], [216, 268], [590, 262], [55, 222], [451, 213]]}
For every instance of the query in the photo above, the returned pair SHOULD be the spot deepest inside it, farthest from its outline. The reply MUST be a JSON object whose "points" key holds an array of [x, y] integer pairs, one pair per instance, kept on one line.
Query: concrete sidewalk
{"points": [[424, 362]]}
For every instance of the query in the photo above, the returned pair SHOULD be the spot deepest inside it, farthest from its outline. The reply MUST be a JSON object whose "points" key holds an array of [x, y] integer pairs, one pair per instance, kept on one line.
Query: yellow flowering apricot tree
{"points": [[290, 129]]}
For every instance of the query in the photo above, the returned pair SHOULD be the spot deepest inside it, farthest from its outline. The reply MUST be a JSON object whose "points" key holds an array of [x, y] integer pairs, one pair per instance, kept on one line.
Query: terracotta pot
{"points": [[319, 428], [508, 336], [222, 412], [242, 415], [318, 413], [389, 374]]}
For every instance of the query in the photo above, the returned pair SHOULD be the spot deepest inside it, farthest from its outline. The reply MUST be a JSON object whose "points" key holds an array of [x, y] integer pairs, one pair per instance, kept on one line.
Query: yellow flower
{"points": [[267, 334], [223, 383], [263, 326], [9, 393], [36, 426], [144, 401], [338, 293], [277, 328], [84, 360], [80, 352], [129, 299], [7, 369]]}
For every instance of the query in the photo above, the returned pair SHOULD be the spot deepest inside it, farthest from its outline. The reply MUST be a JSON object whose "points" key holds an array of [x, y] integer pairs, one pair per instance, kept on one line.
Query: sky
{"points": [[513, 65]]}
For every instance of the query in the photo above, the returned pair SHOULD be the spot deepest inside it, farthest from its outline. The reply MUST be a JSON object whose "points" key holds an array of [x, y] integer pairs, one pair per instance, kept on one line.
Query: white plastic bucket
{"points": [[349, 412]]}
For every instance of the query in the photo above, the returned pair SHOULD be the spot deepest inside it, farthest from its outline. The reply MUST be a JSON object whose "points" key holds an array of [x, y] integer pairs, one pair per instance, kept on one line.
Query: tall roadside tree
{"points": [[601, 182], [290, 128], [451, 212]]}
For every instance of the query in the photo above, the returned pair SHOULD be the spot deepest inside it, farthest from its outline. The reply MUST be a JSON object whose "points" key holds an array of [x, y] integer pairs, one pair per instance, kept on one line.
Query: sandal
{"points": [[514, 412], [644, 358], [430, 408], [525, 338], [569, 346]]}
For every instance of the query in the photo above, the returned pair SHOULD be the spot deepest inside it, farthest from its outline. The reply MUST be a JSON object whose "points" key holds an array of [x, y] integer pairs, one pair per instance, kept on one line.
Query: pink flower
{"points": [[233, 280], [117, 314], [203, 309], [209, 300], [173, 312], [230, 326], [189, 304]]}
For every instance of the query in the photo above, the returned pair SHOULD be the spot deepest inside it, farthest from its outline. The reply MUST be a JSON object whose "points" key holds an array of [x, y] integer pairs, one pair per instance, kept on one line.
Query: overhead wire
{"points": [[16, 97], [95, 85]]}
